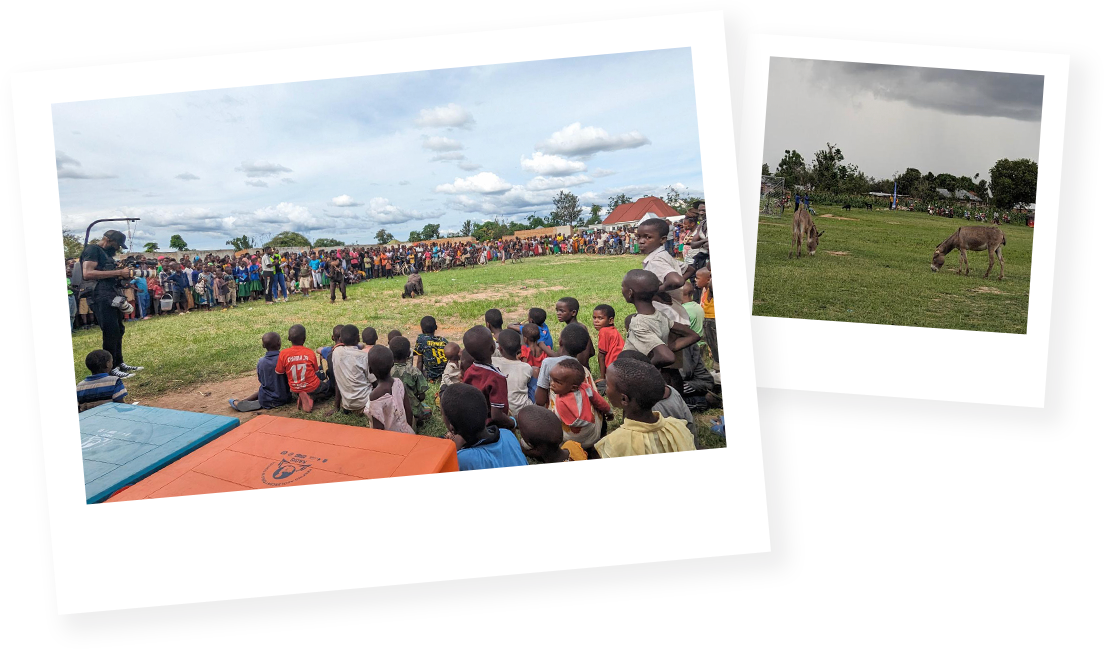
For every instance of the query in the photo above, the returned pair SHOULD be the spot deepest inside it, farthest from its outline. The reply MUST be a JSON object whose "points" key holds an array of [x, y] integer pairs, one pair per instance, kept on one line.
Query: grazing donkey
{"points": [[971, 237], [804, 228]]}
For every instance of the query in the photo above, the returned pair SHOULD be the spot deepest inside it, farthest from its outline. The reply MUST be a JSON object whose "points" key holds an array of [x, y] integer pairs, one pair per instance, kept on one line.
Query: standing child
{"points": [[429, 350], [577, 403], [610, 342], [388, 405], [635, 387], [479, 344], [567, 312], [709, 322], [415, 383], [478, 445]]}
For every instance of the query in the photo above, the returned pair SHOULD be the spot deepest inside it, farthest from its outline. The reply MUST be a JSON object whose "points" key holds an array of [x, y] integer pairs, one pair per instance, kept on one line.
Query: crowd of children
{"points": [[509, 394]]}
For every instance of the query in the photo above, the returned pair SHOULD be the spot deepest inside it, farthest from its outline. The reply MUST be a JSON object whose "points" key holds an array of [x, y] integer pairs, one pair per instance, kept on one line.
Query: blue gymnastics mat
{"points": [[122, 443]]}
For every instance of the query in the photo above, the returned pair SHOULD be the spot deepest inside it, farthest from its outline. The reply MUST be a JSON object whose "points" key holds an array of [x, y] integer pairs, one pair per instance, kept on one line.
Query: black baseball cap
{"points": [[117, 237]]}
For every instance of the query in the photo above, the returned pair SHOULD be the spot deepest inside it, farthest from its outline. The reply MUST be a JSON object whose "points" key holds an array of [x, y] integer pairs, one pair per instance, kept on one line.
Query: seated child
{"points": [[478, 445], [671, 404], [577, 403], [388, 405], [274, 390], [493, 319], [413, 286], [542, 437], [100, 387], [452, 373], [300, 364], [533, 352], [537, 316], [369, 337], [479, 344], [429, 350], [635, 387], [415, 383], [648, 331], [352, 377], [610, 342], [573, 341], [567, 312], [394, 333], [518, 373]]}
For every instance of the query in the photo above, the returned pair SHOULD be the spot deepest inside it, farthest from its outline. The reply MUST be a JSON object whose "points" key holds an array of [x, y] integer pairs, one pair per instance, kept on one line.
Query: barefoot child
{"points": [[388, 404], [478, 445], [577, 403], [542, 435], [635, 387], [274, 390]]}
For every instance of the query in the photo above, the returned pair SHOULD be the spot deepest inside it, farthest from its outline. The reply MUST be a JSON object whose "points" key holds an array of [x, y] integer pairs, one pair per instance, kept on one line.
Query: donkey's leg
{"points": [[1000, 258], [990, 263]]}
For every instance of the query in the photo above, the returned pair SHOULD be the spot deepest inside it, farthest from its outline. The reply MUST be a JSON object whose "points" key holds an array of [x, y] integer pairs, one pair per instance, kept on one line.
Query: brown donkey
{"points": [[804, 228], [971, 237]]}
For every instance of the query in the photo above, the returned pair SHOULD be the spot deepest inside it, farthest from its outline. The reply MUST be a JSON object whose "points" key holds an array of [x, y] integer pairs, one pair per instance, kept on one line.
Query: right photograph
{"points": [[898, 195]]}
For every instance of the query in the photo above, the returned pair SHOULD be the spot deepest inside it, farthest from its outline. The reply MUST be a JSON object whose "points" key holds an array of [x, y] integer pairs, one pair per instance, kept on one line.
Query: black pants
{"points": [[266, 277], [334, 285], [111, 324]]}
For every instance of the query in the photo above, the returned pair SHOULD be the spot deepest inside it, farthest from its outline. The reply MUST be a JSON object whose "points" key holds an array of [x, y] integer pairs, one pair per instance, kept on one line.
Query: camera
{"points": [[142, 272], [121, 303]]}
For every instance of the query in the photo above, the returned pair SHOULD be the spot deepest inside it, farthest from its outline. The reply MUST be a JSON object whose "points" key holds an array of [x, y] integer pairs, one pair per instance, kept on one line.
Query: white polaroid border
{"points": [[901, 361], [400, 530]]}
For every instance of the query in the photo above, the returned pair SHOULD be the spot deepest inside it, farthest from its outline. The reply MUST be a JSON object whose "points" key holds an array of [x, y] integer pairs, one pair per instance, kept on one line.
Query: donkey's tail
{"points": [[1004, 241]]}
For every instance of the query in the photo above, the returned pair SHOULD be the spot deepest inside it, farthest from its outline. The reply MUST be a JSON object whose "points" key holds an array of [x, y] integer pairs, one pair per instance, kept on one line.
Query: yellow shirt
{"points": [[667, 435], [707, 303]]}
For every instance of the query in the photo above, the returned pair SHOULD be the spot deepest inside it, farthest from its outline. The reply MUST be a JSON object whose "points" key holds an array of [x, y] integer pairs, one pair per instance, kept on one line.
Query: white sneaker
{"points": [[130, 368], [116, 372]]}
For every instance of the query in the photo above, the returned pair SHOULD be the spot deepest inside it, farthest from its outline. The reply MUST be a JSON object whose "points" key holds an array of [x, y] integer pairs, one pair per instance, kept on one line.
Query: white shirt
{"points": [[266, 264], [517, 374], [661, 264], [350, 366]]}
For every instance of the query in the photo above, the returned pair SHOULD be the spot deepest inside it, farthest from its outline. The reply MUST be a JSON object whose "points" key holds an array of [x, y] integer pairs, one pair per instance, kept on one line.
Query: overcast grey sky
{"points": [[887, 118], [344, 157]]}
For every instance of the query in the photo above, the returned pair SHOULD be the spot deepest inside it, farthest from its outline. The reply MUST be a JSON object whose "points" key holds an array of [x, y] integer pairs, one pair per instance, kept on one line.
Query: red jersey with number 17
{"points": [[301, 367]]}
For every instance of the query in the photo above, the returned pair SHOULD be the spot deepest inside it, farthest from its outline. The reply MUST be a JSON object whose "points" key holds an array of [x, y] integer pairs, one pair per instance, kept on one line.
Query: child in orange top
{"points": [[300, 365], [704, 280], [610, 342], [577, 403]]}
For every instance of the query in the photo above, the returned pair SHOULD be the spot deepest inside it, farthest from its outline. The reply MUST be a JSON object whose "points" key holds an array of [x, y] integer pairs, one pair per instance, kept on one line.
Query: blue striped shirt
{"points": [[101, 387]]}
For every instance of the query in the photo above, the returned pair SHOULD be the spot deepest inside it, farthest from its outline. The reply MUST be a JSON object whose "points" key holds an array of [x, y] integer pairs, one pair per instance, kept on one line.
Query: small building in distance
{"points": [[631, 214]]}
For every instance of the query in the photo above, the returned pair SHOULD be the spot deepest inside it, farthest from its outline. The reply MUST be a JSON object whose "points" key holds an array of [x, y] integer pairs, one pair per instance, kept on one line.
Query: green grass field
{"points": [[184, 351], [876, 269]]}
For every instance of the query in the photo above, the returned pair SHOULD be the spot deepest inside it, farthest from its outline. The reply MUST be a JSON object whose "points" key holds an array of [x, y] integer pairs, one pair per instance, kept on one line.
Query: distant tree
{"points": [[567, 210], [72, 244], [826, 164], [242, 243], [907, 180], [466, 228], [151, 247], [383, 236], [431, 231], [414, 236], [1013, 182], [536, 222], [325, 242], [595, 215], [946, 181], [792, 168], [176, 242], [765, 170], [288, 239], [614, 201]]}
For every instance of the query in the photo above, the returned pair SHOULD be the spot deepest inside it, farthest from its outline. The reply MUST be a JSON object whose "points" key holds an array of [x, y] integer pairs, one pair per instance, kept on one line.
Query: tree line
{"points": [[1011, 182]]}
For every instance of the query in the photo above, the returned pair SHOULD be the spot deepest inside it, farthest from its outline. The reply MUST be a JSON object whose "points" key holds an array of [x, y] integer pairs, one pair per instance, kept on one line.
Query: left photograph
{"points": [[388, 275]]}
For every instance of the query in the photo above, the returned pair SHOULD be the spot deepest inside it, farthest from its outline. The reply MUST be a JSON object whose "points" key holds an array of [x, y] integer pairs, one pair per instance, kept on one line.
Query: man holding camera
{"points": [[104, 297]]}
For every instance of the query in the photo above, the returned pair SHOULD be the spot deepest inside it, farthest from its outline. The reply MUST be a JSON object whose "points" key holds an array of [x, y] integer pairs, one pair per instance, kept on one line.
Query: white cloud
{"points": [[404, 182], [287, 216], [481, 183], [551, 165], [447, 156], [541, 182], [261, 169], [602, 173], [576, 141], [187, 175], [344, 201], [66, 168], [441, 144], [256, 183], [381, 211], [452, 116], [287, 181], [468, 165], [517, 200]]}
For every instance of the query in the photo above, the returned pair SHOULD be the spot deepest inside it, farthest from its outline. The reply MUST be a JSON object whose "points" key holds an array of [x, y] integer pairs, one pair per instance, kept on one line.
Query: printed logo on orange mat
{"points": [[289, 470]]}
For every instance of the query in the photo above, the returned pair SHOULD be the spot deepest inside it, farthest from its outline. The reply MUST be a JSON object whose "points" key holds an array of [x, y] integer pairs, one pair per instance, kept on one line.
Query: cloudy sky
{"points": [[344, 157], [887, 118]]}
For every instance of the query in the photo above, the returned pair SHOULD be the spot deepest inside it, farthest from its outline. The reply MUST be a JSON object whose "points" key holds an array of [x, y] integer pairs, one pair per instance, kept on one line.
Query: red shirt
{"points": [[300, 365], [529, 356], [610, 343], [492, 384]]}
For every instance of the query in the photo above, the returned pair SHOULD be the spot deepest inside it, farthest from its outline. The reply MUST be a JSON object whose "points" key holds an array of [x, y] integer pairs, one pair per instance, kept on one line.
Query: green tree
{"points": [[466, 228], [288, 239], [151, 247], [567, 210], [595, 215], [383, 236], [1013, 182], [946, 181], [765, 170], [431, 231], [792, 168], [614, 201], [72, 245], [908, 180], [325, 242], [826, 165], [176, 242], [242, 243], [535, 222], [414, 237]]}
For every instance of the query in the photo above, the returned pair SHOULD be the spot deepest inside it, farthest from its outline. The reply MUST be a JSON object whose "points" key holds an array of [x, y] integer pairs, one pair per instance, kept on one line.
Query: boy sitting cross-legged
{"points": [[635, 387], [101, 387], [478, 444], [300, 365], [274, 390]]}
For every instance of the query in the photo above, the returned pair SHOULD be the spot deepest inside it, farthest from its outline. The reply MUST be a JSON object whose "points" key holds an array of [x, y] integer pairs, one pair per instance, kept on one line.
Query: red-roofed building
{"points": [[645, 208]]}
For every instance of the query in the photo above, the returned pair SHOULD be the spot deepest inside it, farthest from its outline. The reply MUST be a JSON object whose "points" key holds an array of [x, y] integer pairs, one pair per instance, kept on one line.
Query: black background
{"points": [[862, 491]]}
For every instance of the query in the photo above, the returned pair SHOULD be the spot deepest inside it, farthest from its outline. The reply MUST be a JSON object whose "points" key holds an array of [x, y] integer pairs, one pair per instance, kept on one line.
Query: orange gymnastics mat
{"points": [[272, 451]]}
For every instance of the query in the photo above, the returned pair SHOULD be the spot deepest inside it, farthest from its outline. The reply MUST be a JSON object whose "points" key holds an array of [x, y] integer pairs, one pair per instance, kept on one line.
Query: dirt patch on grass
{"points": [[838, 253], [531, 287], [987, 289], [212, 398], [838, 218]]}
